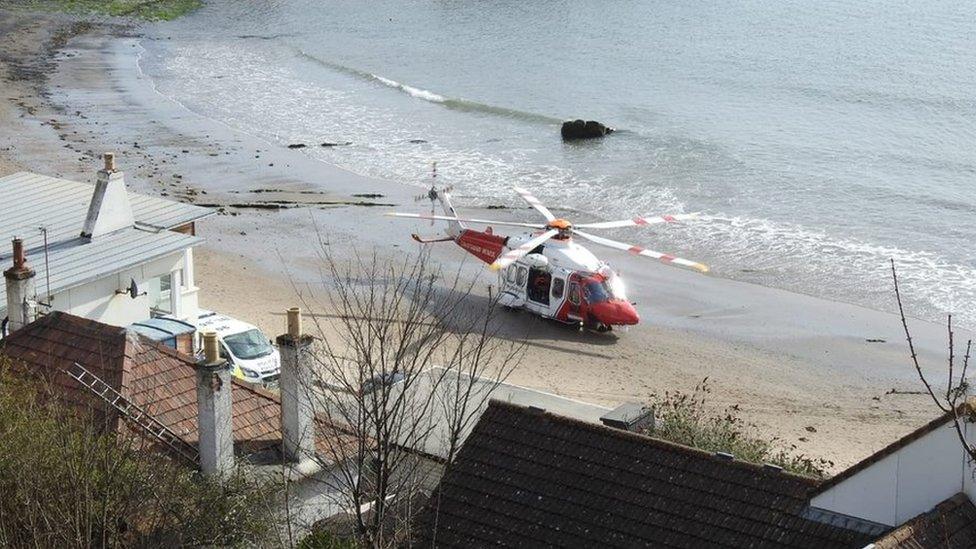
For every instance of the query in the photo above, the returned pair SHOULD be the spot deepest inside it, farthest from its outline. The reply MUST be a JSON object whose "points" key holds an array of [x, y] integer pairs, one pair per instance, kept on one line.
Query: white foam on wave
{"points": [[843, 268], [412, 91]]}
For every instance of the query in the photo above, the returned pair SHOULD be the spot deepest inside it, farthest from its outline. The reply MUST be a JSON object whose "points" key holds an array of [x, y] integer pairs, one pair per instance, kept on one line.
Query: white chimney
{"points": [[109, 209], [297, 412], [21, 295], [214, 410]]}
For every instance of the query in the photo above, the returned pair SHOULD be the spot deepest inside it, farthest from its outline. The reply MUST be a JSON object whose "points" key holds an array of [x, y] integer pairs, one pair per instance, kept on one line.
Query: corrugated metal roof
{"points": [[78, 261], [30, 200]]}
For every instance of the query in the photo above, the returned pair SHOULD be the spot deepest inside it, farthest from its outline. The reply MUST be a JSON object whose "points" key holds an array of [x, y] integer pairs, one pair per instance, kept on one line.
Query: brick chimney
{"points": [[214, 410], [297, 411], [109, 209], [21, 294]]}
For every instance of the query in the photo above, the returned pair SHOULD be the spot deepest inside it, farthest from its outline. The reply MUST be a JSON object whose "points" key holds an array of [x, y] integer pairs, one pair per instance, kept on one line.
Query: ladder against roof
{"points": [[133, 414]]}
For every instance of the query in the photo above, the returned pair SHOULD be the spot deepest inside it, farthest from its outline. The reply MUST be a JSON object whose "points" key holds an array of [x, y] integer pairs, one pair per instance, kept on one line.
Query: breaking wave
{"points": [[452, 103]]}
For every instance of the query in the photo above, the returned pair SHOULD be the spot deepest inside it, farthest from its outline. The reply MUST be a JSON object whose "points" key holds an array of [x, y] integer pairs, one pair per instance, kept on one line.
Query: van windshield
{"points": [[248, 345]]}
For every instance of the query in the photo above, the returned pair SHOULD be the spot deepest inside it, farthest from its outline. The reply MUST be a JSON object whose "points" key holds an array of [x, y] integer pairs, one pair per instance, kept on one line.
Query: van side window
{"points": [[558, 285], [522, 273]]}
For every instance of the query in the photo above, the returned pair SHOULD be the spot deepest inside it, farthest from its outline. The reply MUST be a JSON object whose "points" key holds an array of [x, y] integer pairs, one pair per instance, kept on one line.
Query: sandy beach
{"points": [[831, 378]]}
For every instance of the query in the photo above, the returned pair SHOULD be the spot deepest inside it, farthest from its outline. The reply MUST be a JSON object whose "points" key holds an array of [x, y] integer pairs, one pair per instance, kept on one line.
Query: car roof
{"points": [[221, 323]]}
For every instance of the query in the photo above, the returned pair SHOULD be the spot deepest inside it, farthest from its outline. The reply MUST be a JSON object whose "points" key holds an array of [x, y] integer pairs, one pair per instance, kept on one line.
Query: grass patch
{"points": [[685, 418], [150, 10]]}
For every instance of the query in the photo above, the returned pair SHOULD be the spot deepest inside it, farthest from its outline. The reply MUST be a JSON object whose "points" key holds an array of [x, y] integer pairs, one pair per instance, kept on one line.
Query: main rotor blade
{"points": [[637, 250], [637, 221], [466, 220], [514, 254], [535, 203]]}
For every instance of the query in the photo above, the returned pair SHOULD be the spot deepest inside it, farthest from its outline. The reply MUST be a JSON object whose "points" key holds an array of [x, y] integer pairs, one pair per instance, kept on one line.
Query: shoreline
{"points": [[790, 361]]}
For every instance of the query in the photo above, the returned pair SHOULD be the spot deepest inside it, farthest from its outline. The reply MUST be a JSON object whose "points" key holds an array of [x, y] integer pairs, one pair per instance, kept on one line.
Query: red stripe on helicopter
{"points": [[668, 218], [667, 258], [635, 249], [640, 221]]}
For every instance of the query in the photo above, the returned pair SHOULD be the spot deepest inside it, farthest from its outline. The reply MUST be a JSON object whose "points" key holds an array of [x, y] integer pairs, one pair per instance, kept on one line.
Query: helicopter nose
{"points": [[616, 313]]}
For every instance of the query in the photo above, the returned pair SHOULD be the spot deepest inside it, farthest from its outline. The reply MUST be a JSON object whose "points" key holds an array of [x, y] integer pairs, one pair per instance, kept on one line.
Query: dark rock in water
{"points": [[297, 146], [580, 129], [331, 144], [418, 141]]}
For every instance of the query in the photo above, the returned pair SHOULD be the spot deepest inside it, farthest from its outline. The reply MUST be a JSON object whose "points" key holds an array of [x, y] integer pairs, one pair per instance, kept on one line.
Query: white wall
{"points": [[99, 300], [904, 484]]}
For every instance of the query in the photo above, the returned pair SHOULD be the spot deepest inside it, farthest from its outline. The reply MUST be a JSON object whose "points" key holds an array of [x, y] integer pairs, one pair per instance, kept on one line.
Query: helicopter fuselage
{"points": [[559, 279]]}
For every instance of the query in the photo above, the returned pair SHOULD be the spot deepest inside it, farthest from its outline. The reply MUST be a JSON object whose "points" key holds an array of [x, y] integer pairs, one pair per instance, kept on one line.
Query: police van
{"points": [[244, 346]]}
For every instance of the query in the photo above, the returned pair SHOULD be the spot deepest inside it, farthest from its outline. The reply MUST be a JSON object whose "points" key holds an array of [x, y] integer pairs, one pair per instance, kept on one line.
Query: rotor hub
{"points": [[561, 224]]}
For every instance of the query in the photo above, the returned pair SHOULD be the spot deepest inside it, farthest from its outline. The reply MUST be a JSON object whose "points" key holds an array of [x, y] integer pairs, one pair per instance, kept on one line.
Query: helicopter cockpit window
{"points": [[597, 291], [558, 285], [574, 295], [512, 273], [521, 275]]}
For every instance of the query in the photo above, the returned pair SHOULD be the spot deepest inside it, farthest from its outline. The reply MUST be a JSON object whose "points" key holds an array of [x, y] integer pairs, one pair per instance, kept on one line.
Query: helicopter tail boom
{"points": [[486, 245]]}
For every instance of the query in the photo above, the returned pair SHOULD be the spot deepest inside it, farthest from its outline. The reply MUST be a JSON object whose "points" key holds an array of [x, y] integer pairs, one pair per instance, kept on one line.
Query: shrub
{"points": [[65, 484], [684, 418]]}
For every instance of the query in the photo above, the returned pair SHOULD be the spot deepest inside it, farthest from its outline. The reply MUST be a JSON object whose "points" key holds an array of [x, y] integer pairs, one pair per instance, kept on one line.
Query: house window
{"points": [[164, 293], [158, 291], [558, 285]]}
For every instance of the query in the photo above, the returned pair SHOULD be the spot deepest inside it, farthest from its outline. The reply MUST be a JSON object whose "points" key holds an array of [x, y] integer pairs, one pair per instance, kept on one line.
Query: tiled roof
{"points": [[950, 525], [526, 478], [153, 376]]}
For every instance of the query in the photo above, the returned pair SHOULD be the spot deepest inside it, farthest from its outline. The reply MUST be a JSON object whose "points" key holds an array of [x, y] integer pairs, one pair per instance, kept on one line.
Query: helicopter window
{"points": [[521, 275], [574, 295], [558, 285], [512, 273], [597, 292]]}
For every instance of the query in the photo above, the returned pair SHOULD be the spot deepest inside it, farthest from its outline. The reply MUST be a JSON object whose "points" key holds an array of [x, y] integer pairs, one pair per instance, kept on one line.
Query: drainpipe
{"points": [[214, 410], [21, 294], [297, 412]]}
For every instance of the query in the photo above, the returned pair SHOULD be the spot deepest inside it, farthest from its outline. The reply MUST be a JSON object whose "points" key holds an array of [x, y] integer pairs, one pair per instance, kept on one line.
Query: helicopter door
{"points": [[575, 299], [539, 283]]}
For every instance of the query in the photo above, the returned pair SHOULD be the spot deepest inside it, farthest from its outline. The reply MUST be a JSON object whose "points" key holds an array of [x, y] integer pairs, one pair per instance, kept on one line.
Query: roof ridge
{"points": [[648, 439]]}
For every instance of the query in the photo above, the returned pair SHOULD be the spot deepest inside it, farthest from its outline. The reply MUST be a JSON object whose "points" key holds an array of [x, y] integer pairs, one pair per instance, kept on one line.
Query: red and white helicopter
{"points": [[546, 271]]}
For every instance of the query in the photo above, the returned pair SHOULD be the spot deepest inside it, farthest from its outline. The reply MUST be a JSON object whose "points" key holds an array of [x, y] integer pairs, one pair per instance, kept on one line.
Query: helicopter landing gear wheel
{"points": [[598, 327]]}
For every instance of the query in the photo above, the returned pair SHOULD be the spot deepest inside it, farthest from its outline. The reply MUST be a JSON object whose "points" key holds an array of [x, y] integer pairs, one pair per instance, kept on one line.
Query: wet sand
{"points": [[814, 373]]}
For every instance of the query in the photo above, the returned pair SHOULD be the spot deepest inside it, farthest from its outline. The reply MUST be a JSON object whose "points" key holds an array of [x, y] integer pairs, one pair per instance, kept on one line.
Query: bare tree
{"points": [[405, 361], [952, 400]]}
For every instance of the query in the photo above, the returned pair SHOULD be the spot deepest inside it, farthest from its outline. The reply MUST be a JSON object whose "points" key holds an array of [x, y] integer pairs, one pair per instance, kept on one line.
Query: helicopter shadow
{"points": [[525, 327]]}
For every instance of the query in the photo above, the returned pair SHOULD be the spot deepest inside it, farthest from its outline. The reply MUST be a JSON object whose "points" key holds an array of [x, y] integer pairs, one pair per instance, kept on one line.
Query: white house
{"points": [[906, 479], [95, 251]]}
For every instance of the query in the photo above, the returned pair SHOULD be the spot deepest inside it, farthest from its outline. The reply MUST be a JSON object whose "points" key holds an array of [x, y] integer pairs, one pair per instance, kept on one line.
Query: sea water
{"points": [[818, 139]]}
